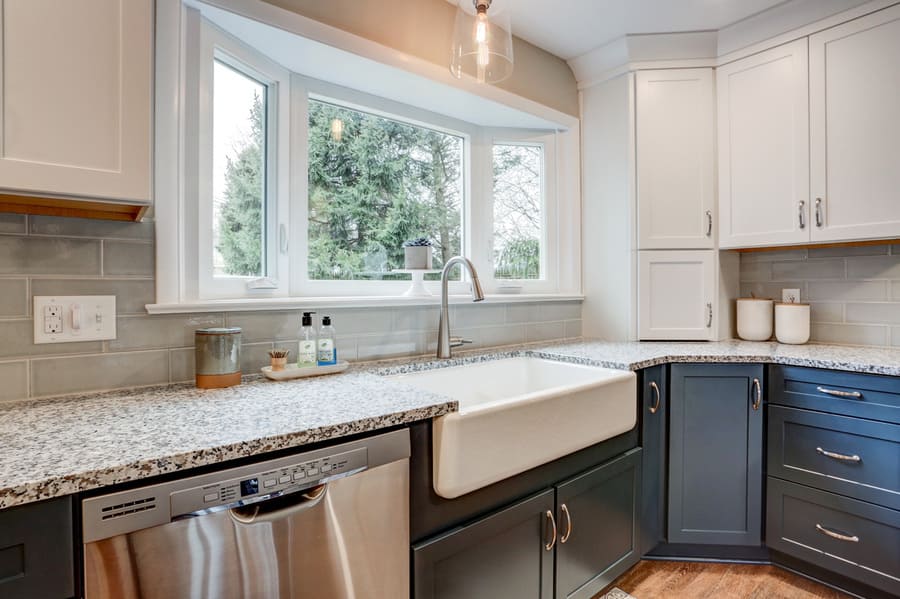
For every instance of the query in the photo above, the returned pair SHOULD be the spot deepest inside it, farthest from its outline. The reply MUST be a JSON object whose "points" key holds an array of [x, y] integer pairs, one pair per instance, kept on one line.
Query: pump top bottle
{"points": [[306, 355], [327, 351]]}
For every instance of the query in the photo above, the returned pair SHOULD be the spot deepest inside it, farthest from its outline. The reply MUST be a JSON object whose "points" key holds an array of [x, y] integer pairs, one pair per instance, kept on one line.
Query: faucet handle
{"points": [[457, 341]]}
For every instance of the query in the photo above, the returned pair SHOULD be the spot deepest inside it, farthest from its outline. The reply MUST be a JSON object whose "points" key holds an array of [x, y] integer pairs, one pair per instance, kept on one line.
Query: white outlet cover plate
{"points": [[790, 296], [96, 315]]}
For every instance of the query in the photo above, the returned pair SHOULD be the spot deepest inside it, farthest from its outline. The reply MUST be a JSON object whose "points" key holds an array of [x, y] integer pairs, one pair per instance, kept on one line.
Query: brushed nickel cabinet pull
{"points": [[565, 511], [837, 535], [802, 214], [839, 456], [709, 315], [709, 223], [837, 393], [820, 222], [552, 521], [655, 407], [758, 392]]}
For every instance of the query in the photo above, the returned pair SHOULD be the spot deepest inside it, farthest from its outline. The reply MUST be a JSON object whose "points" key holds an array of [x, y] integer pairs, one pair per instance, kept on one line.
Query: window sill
{"points": [[295, 303]]}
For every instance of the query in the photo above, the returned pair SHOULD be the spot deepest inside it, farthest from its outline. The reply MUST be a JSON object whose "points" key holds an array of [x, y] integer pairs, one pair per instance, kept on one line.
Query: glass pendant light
{"points": [[482, 47]]}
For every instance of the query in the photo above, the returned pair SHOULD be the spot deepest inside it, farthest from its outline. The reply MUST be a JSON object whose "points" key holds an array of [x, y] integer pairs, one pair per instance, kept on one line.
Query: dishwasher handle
{"points": [[280, 507]]}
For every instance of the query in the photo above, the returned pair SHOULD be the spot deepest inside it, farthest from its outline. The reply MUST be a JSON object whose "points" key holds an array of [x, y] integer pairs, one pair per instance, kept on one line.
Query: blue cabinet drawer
{"points": [[849, 537], [846, 393], [851, 456]]}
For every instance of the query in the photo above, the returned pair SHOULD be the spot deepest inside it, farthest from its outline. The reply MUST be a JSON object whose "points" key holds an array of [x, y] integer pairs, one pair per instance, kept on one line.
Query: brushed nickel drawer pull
{"points": [[819, 220], [802, 214], [709, 223], [758, 388], [837, 393], [837, 535], [655, 407], [709, 315], [839, 456], [549, 545], [565, 510]]}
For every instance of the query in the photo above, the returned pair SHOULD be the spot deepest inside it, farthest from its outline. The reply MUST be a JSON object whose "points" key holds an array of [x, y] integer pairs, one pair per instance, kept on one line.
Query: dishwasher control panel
{"points": [[267, 483]]}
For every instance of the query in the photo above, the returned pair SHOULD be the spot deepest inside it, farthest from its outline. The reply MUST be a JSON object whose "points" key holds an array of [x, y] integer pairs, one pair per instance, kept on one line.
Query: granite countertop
{"points": [[60, 446], [55, 447]]}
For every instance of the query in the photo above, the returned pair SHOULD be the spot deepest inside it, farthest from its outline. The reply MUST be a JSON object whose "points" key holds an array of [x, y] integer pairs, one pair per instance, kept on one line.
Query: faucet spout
{"points": [[444, 342]]}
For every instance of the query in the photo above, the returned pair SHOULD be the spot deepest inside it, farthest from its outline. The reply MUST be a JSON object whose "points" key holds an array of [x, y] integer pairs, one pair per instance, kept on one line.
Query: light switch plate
{"points": [[68, 318], [790, 296]]}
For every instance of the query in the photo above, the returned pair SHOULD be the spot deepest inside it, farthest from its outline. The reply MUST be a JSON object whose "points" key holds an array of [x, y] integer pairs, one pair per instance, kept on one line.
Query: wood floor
{"points": [[690, 580]]}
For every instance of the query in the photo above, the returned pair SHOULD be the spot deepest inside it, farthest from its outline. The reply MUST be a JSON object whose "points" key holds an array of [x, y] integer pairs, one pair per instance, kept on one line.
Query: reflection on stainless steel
{"points": [[346, 539]]}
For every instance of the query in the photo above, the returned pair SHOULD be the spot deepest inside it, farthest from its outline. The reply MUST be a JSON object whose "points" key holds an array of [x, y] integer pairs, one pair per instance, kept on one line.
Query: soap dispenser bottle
{"points": [[307, 356], [327, 351]]}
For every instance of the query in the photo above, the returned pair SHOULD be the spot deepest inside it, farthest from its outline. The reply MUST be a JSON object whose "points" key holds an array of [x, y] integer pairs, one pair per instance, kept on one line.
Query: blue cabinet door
{"points": [[715, 454], [506, 554], [653, 410]]}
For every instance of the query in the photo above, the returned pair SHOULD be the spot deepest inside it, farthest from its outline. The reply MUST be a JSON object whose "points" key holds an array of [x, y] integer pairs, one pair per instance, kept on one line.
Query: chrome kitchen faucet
{"points": [[445, 341]]}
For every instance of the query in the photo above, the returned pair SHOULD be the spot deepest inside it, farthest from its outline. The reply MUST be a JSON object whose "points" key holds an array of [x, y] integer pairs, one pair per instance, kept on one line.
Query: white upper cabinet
{"points": [[677, 293], [675, 159], [763, 134], [76, 98], [855, 128]]}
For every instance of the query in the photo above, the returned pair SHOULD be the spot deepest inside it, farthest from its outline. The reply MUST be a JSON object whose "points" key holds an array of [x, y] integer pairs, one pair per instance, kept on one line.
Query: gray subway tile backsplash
{"points": [[128, 259], [854, 292], [15, 380], [68, 256]]}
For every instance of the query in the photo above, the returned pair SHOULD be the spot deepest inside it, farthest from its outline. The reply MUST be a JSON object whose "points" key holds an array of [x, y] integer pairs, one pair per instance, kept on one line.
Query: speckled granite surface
{"points": [[55, 447]]}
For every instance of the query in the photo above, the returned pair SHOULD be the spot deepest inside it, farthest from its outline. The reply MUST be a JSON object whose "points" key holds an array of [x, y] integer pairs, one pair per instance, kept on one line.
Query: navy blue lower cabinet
{"points": [[598, 521], [654, 413], [507, 554], [845, 536], [715, 454], [37, 551]]}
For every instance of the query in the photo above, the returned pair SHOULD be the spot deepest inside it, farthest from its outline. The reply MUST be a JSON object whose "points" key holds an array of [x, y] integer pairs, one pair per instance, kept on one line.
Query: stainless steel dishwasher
{"points": [[329, 523]]}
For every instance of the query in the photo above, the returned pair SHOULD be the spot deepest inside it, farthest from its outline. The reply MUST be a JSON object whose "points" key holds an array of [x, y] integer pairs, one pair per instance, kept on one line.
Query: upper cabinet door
{"points": [[675, 160], [763, 130], [854, 87], [76, 98]]}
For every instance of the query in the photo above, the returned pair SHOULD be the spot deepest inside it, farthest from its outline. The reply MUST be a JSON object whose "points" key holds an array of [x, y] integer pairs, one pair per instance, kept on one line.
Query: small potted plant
{"points": [[417, 254]]}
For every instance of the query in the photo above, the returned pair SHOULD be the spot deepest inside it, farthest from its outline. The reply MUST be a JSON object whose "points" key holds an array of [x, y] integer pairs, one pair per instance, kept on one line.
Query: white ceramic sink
{"points": [[518, 413]]}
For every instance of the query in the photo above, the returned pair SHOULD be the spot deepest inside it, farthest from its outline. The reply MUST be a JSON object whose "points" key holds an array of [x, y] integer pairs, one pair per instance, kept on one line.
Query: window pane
{"points": [[373, 184], [239, 173], [518, 211]]}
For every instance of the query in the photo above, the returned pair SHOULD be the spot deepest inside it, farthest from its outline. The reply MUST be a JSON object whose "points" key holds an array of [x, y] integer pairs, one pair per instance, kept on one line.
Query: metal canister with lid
{"points": [[218, 357]]}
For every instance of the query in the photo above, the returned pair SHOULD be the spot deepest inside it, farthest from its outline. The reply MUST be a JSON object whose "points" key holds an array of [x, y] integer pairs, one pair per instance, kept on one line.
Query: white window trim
{"points": [[218, 45], [175, 182]]}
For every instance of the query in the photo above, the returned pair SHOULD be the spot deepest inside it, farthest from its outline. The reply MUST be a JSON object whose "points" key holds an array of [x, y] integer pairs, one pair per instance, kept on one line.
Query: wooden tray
{"points": [[292, 371]]}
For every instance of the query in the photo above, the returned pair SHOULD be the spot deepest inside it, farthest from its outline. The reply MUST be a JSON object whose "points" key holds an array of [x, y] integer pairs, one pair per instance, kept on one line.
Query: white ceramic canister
{"points": [[792, 323], [754, 318]]}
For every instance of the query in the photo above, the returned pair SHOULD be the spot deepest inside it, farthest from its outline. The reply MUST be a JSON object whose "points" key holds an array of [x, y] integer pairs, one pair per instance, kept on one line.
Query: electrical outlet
{"points": [[790, 296], [64, 319]]}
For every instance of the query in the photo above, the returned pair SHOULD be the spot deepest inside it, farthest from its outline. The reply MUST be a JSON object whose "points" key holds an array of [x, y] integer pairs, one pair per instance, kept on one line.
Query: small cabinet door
{"points": [[763, 113], [597, 516], [715, 454], [854, 82], [37, 551], [653, 471], [676, 295], [675, 159], [76, 98], [506, 554]]}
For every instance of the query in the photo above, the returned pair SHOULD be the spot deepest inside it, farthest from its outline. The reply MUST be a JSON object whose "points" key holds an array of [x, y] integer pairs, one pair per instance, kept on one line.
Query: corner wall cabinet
{"points": [[677, 293], [809, 139], [675, 159], [763, 132], [76, 102], [854, 82], [567, 542], [715, 454]]}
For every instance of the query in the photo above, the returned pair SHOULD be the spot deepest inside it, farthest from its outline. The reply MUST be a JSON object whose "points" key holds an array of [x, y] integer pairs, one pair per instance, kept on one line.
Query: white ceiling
{"points": [[569, 28]]}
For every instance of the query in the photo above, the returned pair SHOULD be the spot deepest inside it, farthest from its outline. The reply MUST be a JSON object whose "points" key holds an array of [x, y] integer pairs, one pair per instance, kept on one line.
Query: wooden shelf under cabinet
{"points": [[72, 207]]}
